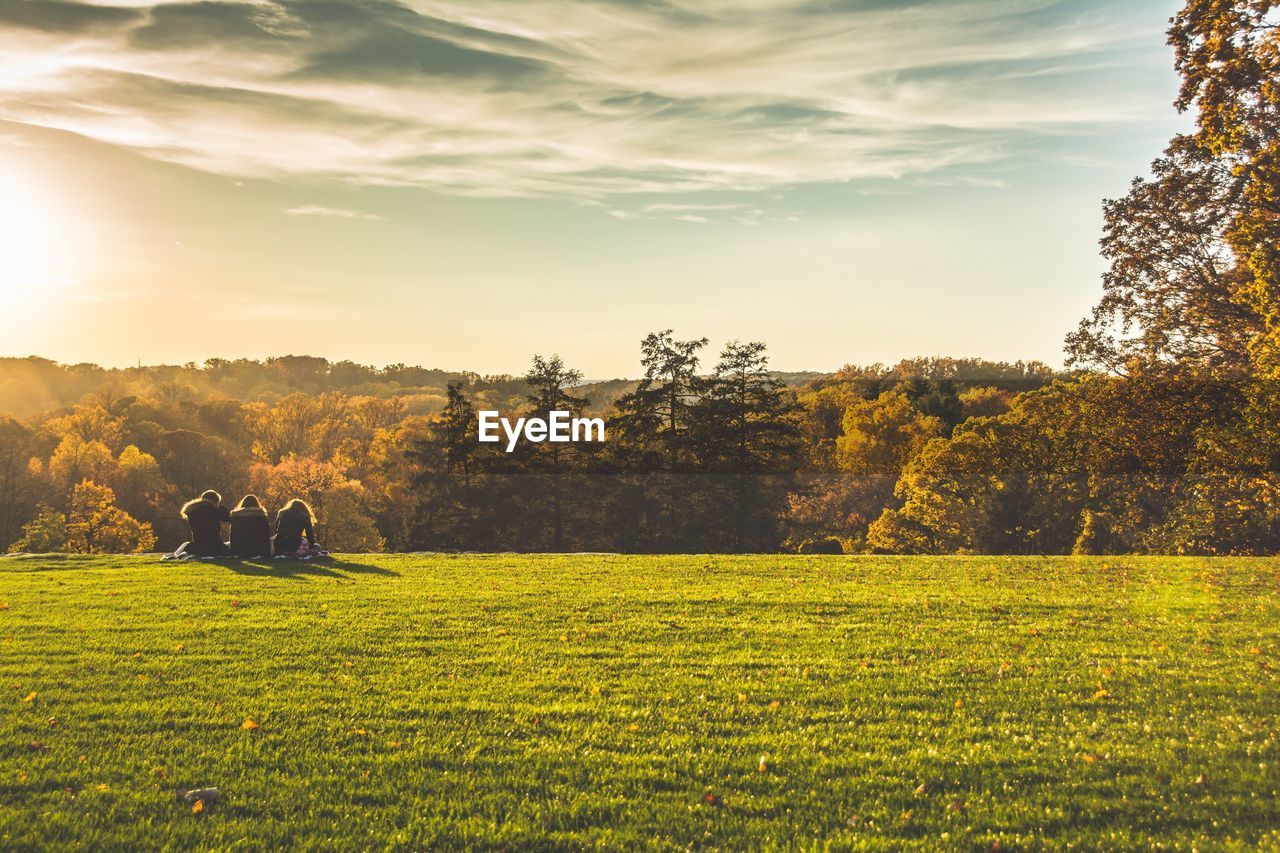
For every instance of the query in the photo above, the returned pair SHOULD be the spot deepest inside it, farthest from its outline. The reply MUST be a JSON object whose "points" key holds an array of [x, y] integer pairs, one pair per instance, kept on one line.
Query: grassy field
{"points": [[606, 701]]}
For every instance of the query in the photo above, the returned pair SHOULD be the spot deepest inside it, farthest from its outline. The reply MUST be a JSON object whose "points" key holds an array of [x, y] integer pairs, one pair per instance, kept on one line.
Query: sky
{"points": [[464, 183]]}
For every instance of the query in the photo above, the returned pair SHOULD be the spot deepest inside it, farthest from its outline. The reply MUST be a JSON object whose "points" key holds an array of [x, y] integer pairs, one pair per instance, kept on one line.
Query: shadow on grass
{"points": [[300, 569]]}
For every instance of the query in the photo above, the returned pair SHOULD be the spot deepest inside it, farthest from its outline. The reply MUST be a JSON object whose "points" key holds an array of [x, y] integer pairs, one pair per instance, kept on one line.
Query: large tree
{"points": [[749, 448], [1194, 250], [447, 480], [653, 443], [1228, 53]]}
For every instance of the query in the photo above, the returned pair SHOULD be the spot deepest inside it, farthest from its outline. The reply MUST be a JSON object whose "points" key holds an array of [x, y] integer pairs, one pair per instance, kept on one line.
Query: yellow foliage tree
{"points": [[342, 522], [95, 525]]}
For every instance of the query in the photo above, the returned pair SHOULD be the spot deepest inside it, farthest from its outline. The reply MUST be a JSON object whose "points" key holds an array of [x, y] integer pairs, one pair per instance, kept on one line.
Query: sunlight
{"points": [[28, 254]]}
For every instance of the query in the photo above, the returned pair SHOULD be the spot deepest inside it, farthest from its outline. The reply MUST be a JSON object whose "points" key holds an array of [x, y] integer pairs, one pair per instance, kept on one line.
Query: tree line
{"points": [[722, 456]]}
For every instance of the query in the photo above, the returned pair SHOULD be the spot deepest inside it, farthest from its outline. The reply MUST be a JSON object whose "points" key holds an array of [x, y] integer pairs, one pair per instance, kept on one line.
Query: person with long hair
{"points": [[205, 515], [295, 524], [250, 529]]}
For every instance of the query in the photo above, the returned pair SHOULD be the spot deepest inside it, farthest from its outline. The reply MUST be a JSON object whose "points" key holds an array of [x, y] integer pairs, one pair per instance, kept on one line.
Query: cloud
{"points": [[584, 99], [337, 212], [54, 16]]}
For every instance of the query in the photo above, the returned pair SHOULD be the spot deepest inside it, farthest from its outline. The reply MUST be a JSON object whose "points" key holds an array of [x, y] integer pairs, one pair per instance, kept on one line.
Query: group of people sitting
{"points": [[252, 534]]}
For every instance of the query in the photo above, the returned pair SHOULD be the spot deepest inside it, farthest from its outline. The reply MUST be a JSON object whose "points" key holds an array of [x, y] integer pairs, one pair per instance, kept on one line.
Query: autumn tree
{"points": [[1003, 485], [137, 481], [342, 520], [1227, 503], [95, 525], [192, 462], [77, 459], [45, 533], [19, 490], [89, 424], [1228, 54], [855, 482], [1173, 294]]}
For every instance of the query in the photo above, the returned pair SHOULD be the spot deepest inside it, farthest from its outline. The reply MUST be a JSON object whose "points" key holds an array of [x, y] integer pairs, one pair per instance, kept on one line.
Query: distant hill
{"points": [[34, 386]]}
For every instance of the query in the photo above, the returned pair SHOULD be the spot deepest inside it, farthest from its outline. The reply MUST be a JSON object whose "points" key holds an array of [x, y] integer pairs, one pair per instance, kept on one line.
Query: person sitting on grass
{"points": [[205, 515], [295, 533], [250, 530]]}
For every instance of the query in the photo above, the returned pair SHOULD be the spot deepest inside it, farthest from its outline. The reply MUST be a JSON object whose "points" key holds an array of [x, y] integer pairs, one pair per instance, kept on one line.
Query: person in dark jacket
{"points": [[206, 515], [250, 529], [293, 522]]}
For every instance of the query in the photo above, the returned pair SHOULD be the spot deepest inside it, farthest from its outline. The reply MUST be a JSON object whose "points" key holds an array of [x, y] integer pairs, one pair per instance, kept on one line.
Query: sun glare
{"points": [[28, 253]]}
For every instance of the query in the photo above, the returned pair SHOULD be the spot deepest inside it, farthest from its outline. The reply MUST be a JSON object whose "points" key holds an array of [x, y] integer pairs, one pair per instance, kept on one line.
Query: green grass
{"points": [[604, 701]]}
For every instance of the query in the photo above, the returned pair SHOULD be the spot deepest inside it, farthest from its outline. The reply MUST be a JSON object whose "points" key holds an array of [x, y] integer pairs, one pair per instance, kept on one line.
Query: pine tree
{"points": [[748, 439]]}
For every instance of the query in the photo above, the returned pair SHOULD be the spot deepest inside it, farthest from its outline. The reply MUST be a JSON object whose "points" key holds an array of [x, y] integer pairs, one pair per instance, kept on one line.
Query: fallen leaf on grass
{"points": [[30, 697], [197, 807], [4, 605], [1089, 758], [180, 647], [764, 763], [103, 786], [249, 725], [713, 800]]}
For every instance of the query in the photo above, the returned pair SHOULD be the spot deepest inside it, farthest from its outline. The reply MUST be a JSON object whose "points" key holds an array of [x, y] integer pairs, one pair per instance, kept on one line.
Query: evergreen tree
{"points": [[552, 463], [446, 479], [652, 429], [748, 439]]}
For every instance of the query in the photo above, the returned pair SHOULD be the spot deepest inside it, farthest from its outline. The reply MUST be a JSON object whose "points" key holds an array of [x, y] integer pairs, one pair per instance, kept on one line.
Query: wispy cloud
{"points": [[587, 99], [336, 212]]}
